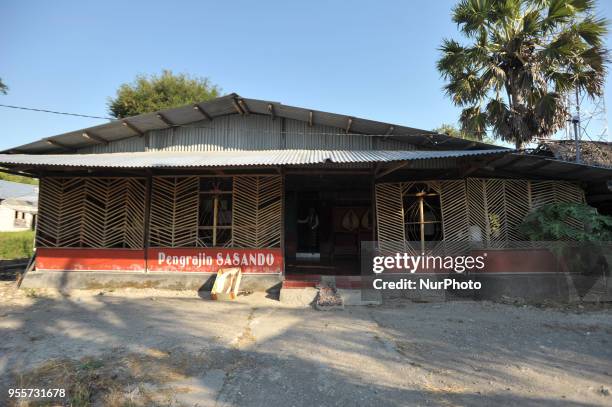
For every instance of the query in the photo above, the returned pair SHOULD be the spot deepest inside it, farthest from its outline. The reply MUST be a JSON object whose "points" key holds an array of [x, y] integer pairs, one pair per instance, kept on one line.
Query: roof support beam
{"points": [[393, 168], [388, 133], [243, 106], [60, 145], [271, 111], [164, 119], [349, 123], [199, 109], [93, 137], [130, 126], [310, 121], [237, 107]]}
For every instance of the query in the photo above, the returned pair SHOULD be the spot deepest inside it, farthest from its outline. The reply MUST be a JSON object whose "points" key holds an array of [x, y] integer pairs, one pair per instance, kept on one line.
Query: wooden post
{"points": [[282, 225], [215, 213], [373, 204], [147, 218], [421, 198]]}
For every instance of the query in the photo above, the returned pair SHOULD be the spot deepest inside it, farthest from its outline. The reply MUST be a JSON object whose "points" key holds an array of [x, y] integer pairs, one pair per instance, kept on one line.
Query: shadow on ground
{"points": [[166, 351]]}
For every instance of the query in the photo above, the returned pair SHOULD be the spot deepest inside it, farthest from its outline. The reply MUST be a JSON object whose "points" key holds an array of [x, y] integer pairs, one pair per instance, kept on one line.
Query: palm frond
{"points": [[471, 15], [523, 57], [592, 30], [474, 121]]}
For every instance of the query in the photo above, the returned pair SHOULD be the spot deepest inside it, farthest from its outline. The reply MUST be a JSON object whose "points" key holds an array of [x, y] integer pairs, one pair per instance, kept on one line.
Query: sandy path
{"points": [[169, 348]]}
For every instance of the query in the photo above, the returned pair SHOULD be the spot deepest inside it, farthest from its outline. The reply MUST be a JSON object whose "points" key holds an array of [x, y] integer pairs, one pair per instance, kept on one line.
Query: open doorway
{"points": [[326, 219]]}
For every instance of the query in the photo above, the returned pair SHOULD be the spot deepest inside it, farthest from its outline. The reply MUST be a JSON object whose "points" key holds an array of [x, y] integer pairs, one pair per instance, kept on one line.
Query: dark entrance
{"points": [[326, 219]]}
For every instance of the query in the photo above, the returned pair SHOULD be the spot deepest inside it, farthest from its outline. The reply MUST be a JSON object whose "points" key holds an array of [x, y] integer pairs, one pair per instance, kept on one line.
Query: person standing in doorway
{"points": [[312, 221]]}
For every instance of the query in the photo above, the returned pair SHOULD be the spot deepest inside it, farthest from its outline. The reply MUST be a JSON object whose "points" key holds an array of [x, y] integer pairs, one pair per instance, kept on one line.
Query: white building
{"points": [[18, 206]]}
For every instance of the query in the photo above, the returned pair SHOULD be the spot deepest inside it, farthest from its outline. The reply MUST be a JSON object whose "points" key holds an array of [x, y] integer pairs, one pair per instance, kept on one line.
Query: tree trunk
{"points": [[518, 144]]}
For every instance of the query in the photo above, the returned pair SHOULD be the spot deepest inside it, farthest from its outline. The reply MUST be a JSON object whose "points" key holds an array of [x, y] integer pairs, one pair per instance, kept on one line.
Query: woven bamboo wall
{"points": [[256, 220], [498, 206], [256, 212], [390, 216], [174, 212], [91, 212], [495, 206], [453, 204]]}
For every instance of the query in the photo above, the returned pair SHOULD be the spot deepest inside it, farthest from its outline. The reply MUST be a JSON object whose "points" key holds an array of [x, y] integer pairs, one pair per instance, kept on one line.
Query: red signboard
{"points": [[90, 259], [209, 260], [263, 261]]}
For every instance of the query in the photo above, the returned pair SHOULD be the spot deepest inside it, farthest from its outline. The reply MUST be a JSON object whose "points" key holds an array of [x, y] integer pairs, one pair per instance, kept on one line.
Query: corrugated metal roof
{"points": [[533, 166], [225, 105], [230, 158], [9, 189]]}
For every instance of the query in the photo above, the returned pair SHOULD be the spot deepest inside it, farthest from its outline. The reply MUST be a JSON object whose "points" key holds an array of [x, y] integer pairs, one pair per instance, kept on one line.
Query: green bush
{"points": [[582, 249], [549, 223], [16, 245]]}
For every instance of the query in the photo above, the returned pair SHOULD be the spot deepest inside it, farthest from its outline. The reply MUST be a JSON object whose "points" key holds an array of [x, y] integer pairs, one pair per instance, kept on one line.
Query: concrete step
{"points": [[305, 291]]}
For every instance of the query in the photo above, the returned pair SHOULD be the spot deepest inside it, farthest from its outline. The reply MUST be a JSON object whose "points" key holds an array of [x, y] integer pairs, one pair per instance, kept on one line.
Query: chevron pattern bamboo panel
{"points": [[568, 192], [453, 201], [113, 214], [542, 193], [390, 216], [257, 211], [174, 212], [60, 207], [516, 196], [91, 212], [499, 206], [477, 207]]}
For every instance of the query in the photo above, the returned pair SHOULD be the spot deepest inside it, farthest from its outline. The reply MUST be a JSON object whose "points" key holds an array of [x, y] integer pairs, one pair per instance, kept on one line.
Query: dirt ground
{"points": [[132, 348]]}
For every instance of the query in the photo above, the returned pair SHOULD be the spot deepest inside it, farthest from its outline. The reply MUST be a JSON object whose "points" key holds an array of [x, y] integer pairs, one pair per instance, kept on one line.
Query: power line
{"points": [[54, 112]]}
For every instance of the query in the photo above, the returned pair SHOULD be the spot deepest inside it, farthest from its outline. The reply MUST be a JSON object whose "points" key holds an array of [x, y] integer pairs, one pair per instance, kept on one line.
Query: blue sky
{"points": [[372, 59]]}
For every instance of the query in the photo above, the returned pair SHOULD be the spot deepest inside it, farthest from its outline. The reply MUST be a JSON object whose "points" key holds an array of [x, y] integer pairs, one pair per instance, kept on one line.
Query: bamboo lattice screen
{"points": [[257, 211], [499, 206], [390, 216], [91, 212], [174, 212], [496, 207]]}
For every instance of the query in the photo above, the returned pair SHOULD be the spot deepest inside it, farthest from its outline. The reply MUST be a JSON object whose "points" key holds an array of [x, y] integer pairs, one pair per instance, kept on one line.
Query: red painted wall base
{"points": [[205, 260]]}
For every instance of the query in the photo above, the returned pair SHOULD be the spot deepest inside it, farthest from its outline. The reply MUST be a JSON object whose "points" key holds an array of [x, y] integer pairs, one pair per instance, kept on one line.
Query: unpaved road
{"points": [[139, 348]]}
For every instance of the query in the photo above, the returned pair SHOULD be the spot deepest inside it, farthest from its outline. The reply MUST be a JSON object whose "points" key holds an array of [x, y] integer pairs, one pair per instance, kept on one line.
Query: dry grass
{"points": [[117, 380]]}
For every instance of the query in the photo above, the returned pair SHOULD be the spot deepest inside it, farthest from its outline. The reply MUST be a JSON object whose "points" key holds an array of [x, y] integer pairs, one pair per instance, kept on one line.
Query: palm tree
{"points": [[523, 59]]}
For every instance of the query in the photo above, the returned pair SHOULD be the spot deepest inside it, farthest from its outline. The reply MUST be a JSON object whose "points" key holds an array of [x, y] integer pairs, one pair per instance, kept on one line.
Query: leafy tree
{"points": [[453, 131], [522, 59], [450, 130], [152, 93], [3, 87]]}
